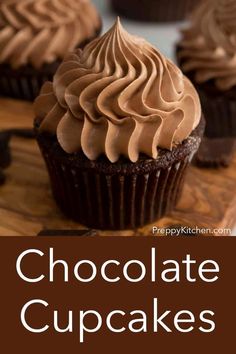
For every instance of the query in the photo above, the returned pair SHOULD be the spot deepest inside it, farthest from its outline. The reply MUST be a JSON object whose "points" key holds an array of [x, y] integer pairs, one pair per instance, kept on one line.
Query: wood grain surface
{"points": [[27, 206]]}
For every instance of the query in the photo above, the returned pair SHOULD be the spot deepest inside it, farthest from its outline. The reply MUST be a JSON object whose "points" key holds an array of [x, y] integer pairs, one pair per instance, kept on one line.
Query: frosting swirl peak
{"points": [[208, 47], [41, 31], [119, 96]]}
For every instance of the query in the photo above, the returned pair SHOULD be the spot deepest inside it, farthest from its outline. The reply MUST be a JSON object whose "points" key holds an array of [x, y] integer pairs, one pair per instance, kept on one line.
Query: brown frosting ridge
{"points": [[119, 96], [41, 31], [208, 46]]}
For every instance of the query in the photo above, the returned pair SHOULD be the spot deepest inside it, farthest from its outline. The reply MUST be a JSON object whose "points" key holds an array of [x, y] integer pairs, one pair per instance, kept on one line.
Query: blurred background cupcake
{"points": [[154, 10], [207, 55], [117, 128], [35, 35]]}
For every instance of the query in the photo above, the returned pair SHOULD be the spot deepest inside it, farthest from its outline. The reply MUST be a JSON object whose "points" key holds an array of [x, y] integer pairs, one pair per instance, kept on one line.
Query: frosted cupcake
{"points": [[34, 38], [117, 128], [207, 55]]}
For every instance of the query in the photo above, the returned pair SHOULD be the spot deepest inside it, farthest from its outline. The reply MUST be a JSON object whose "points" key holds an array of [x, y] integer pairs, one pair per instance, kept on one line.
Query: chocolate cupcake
{"points": [[117, 128], [154, 10], [207, 55], [34, 38]]}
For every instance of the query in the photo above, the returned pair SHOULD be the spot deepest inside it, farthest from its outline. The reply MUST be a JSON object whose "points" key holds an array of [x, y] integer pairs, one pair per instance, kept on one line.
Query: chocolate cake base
{"points": [[154, 10], [219, 107], [121, 195], [25, 82]]}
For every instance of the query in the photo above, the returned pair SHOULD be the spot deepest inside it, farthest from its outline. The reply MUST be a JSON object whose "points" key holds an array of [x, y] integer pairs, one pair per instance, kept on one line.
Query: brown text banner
{"points": [[92, 295]]}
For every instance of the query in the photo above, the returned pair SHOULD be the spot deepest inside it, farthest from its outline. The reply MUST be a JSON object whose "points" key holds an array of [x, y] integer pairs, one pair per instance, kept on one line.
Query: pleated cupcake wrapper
{"points": [[24, 87], [220, 115], [115, 202], [153, 10]]}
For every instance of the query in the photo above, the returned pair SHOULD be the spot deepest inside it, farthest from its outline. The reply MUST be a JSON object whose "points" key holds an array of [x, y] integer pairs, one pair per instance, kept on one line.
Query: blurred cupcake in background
{"points": [[118, 127], [35, 35], [154, 10], [207, 55]]}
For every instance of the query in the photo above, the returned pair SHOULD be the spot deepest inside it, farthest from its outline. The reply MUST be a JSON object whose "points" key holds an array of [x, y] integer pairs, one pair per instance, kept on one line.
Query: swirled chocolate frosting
{"points": [[208, 47], [119, 96], [41, 31]]}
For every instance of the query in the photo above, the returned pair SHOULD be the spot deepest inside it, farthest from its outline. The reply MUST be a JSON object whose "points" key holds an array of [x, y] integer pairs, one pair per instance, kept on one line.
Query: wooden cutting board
{"points": [[27, 206]]}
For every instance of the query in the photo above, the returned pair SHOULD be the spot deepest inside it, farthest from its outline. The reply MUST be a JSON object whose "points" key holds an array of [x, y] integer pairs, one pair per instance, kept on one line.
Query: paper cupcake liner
{"points": [[220, 115], [24, 83], [117, 201], [153, 10]]}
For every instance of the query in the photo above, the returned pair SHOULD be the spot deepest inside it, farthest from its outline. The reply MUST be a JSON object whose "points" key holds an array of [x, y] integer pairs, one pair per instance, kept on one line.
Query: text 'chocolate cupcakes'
{"points": [[34, 38], [117, 128], [207, 55], [154, 10]]}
